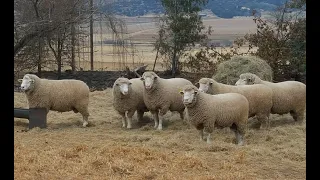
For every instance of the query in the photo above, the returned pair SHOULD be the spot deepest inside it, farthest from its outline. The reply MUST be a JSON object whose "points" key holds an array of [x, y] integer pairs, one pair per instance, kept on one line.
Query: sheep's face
{"points": [[204, 84], [248, 79], [244, 81], [188, 95], [124, 86], [27, 83], [204, 87], [148, 80], [241, 82]]}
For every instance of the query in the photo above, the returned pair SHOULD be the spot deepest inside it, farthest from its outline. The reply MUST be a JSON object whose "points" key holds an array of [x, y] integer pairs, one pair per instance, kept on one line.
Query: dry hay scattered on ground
{"points": [[228, 72], [104, 150]]}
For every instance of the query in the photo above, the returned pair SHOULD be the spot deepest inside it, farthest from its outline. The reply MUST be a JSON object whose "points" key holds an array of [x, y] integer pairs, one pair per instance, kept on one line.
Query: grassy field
{"points": [[104, 150]]}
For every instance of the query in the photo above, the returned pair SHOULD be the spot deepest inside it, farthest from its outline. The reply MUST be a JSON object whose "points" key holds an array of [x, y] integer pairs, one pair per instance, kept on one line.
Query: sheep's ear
{"points": [[19, 80], [155, 75], [197, 83], [181, 92]]}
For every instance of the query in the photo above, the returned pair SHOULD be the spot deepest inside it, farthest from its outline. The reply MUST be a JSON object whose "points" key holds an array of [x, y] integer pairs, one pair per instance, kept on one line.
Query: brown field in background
{"points": [[104, 150], [141, 32]]}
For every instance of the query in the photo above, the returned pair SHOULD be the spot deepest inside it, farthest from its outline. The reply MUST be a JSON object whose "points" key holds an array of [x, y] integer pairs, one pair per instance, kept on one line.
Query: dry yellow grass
{"points": [[104, 150]]}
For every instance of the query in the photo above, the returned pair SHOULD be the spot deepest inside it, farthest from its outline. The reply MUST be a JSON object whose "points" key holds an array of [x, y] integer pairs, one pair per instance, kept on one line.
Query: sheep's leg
{"points": [[239, 138], [182, 115], [160, 122], [129, 119], [85, 114], [82, 107], [155, 118], [268, 121], [263, 119], [162, 112], [209, 140], [200, 129], [234, 129], [201, 134], [123, 115], [298, 116], [241, 128], [208, 128], [140, 115]]}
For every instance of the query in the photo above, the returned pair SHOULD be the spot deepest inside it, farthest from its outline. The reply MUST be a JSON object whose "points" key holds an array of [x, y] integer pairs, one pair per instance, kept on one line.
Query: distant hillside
{"points": [[221, 8]]}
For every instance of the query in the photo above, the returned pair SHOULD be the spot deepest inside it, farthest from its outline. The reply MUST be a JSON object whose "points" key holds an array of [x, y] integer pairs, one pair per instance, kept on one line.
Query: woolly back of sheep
{"points": [[228, 72]]}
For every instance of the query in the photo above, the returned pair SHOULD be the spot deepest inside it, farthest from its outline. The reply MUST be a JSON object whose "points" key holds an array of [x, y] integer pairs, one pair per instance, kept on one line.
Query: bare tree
{"points": [[47, 21]]}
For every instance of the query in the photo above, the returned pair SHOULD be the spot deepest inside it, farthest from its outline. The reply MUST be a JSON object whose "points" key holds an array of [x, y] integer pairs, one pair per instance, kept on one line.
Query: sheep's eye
{"points": [[117, 84]]}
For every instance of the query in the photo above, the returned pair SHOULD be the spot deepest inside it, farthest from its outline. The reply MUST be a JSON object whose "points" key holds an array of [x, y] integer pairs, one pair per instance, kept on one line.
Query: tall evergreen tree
{"points": [[181, 27]]}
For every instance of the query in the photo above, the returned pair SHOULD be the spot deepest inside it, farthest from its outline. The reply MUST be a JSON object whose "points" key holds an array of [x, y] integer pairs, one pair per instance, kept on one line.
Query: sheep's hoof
{"points": [[129, 127], [159, 128], [85, 124], [240, 143]]}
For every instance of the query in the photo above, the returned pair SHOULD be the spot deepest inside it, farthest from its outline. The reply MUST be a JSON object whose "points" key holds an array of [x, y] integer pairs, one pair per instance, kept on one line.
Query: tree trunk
{"points": [[91, 34], [155, 60], [39, 58], [73, 63], [174, 68], [59, 67]]}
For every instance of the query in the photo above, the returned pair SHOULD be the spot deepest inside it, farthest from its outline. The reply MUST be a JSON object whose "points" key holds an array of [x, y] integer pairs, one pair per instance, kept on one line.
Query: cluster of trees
{"points": [[55, 30], [47, 27]]}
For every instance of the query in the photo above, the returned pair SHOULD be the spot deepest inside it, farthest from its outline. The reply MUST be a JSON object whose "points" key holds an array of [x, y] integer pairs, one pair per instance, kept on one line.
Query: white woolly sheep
{"points": [[207, 111], [288, 96], [259, 96], [57, 95], [128, 98], [161, 95]]}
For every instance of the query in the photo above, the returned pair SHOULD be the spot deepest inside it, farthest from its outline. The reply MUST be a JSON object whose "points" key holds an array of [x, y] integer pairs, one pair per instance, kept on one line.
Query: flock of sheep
{"points": [[212, 105]]}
